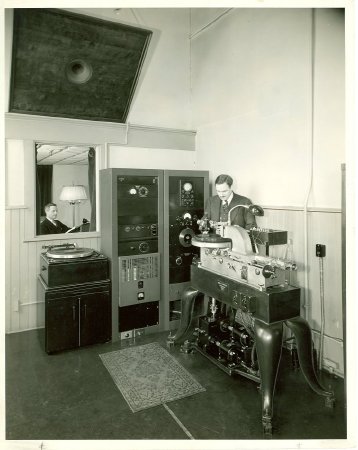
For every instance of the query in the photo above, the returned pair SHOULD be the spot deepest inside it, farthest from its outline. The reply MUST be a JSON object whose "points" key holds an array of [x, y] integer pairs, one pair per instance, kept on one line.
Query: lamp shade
{"points": [[73, 194]]}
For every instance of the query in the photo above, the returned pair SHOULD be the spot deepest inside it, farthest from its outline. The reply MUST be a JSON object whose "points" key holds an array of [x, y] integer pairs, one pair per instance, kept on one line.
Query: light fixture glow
{"points": [[73, 195]]}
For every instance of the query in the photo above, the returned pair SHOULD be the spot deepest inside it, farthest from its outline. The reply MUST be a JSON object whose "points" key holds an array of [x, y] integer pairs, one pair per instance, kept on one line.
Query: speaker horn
{"points": [[78, 71]]}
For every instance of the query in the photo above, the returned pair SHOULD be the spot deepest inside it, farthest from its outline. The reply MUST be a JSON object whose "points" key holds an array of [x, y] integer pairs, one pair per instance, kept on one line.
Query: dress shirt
{"points": [[229, 199]]}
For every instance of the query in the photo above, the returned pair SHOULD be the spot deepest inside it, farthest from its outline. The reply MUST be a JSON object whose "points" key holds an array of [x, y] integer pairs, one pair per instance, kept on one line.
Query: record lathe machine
{"points": [[249, 301]]}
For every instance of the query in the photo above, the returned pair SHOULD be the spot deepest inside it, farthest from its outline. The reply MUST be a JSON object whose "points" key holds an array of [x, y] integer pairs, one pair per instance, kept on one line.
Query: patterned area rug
{"points": [[147, 376]]}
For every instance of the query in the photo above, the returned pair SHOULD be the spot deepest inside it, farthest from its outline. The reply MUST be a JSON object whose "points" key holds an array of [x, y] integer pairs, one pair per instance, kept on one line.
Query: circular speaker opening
{"points": [[78, 71]]}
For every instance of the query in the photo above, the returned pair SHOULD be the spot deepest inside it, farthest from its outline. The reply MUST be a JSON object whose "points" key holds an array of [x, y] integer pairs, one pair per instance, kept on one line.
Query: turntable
{"points": [[68, 251], [211, 241], [69, 264]]}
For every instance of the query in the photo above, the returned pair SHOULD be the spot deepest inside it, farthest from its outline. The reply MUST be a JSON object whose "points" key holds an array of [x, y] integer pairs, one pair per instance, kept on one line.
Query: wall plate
{"points": [[127, 334]]}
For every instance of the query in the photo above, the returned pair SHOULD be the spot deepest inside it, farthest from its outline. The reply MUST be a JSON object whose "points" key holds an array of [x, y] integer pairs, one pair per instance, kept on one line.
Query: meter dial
{"points": [[187, 187], [143, 247], [143, 191]]}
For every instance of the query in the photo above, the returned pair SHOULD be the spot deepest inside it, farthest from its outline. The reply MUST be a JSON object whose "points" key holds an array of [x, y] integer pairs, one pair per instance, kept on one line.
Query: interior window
{"points": [[65, 188]]}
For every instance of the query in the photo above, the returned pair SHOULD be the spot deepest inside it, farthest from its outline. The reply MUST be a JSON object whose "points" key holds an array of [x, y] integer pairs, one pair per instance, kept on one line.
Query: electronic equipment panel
{"points": [[139, 279], [137, 198], [148, 219], [131, 236], [185, 193], [186, 206]]}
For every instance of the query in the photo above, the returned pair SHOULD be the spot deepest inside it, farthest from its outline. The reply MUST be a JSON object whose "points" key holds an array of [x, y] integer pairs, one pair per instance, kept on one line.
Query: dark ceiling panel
{"points": [[69, 65]]}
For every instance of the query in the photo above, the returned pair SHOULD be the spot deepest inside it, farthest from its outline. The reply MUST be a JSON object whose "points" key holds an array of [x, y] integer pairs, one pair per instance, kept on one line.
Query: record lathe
{"points": [[249, 301]]}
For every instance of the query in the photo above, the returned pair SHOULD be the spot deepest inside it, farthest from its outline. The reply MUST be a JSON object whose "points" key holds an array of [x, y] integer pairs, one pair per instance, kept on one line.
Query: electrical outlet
{"points": [[127, 334], [320, 250], [139, 332]]}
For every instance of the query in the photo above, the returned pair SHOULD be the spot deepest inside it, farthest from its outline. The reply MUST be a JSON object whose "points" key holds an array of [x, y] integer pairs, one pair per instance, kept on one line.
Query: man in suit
{"points": [[218, 207], [50, 225]]}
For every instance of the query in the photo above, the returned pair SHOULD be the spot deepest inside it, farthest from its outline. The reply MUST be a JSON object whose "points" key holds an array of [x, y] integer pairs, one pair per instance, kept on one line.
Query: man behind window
{"points": [[50, 225]]}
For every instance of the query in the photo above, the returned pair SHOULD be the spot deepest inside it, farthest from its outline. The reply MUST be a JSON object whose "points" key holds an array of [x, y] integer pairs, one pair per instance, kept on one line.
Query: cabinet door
{"points": [[62, 324], [95, 318]]}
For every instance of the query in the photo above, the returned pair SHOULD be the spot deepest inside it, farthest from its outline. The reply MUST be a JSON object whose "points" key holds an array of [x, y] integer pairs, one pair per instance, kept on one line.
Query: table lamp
{"points": [[73, 195]]}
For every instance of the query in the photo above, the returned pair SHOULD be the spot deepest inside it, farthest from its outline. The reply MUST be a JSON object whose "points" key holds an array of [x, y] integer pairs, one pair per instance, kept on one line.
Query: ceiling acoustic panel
{"points": [[75, 66]]}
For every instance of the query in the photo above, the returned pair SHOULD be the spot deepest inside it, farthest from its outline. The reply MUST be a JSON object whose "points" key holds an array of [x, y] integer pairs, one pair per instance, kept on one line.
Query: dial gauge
{"points": [[187, 187]]}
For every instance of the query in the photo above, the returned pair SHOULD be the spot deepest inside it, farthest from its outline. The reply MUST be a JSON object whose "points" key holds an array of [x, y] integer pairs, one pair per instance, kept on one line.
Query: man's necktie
{"points": [[224, 211]]}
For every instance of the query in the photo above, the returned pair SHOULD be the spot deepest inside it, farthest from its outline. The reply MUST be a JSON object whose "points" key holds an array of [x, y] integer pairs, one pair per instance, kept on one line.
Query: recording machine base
{"points": [[250, 349]]}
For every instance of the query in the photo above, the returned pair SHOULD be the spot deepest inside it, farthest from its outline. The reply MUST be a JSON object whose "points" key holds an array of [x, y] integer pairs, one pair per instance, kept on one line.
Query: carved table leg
{"points": [[302, 332], [188, 303], [269, 347]]}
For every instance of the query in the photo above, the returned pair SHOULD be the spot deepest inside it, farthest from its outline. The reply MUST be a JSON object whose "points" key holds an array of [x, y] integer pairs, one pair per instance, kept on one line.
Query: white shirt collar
{"points": [[230, 198]]}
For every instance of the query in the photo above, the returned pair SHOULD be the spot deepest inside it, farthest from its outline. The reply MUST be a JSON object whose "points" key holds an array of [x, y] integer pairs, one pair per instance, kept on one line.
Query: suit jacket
{"points": [[239, 216], [47, 227]]}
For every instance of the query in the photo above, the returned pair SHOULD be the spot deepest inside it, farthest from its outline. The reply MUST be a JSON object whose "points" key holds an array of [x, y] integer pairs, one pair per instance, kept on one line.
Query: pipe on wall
{"points": [[309, 187], [193, 35]]}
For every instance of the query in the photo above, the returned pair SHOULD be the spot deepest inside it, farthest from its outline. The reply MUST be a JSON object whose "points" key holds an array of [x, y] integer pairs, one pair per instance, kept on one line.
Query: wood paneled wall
{"points": [[22, 265], [324, 227]]}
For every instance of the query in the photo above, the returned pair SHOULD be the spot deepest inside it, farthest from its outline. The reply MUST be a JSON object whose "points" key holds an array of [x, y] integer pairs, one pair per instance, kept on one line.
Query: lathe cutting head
{"points": [[229, 252]]}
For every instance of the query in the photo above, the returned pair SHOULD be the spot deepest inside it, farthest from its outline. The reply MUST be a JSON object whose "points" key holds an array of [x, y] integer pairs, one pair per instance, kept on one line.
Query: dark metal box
{"points": [[273, 305], [59, 272]]}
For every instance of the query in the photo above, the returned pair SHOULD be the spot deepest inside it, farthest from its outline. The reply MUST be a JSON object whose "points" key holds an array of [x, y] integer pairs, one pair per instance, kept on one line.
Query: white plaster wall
{"points": [[252, 103], [329, 108], [201, 17], [164, 95], [144, 158]]}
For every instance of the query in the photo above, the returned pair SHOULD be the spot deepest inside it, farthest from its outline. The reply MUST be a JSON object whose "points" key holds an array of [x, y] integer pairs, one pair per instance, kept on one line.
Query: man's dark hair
{"points": [[48, 206], [223, 178]]}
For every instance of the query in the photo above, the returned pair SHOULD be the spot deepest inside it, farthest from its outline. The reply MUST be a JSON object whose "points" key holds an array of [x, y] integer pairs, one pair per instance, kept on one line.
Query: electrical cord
{"points": [[321, 286]]}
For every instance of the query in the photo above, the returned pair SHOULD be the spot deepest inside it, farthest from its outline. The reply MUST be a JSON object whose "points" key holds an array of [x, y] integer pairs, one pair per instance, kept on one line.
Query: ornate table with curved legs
{"points": [[270, 309]]}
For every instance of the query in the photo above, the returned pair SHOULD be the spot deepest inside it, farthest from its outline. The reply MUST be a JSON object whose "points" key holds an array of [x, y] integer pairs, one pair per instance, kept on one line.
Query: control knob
{"points": [[143, 191], [143, 247], [268, 271]]}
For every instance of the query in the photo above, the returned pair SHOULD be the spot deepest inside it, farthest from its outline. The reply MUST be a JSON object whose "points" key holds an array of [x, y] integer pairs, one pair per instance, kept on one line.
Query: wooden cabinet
{"points": [[76, 315]]}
